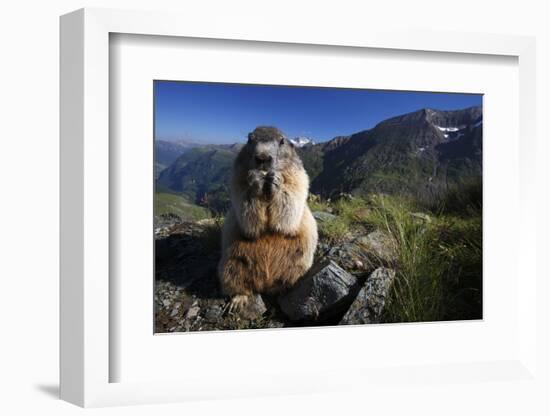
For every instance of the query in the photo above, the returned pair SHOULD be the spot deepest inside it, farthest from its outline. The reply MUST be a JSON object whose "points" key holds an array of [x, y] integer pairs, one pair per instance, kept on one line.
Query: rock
{"points": [[254, 309], [345, 196], [369, 304], [187, 258], [379, 244], [421, 216], [207, 221], [213, 313], [178, 310], [350, 256], [192, 312], [323, 216], [364, 253], [313, 198], [324, 289]]}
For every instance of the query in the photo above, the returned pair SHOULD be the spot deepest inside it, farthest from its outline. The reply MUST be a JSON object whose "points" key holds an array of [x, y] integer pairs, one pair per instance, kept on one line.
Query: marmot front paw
{"points": [[273, 181], [256, 180], [274, 178]]}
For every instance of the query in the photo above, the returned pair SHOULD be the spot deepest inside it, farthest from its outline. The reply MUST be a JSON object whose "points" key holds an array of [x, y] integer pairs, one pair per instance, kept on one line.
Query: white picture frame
{"points": [[86, 356]]}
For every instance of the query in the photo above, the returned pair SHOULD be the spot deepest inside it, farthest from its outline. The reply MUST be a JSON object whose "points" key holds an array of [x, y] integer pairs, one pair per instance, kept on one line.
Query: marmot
{"points": [[269, 235]]}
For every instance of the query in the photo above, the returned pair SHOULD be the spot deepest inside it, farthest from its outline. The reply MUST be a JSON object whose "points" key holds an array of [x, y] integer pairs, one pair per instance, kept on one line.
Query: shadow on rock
{"points": [[188, 257]]}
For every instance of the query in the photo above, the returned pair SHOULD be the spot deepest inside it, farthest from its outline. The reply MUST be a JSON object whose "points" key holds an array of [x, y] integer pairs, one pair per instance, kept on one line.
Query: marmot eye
{"points": [[282, 142]]}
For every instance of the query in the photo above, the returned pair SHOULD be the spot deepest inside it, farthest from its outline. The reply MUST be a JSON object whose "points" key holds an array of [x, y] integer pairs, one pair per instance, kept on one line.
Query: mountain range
{"points": [[166, 152], [419, 154]]}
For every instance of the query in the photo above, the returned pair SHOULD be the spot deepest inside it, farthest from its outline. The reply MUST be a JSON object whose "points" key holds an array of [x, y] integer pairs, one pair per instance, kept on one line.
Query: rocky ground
{"points": [[348, 284]]}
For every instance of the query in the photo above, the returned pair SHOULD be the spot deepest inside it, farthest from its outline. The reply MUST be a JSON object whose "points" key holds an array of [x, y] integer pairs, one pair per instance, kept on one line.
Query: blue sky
{"points": [[226, 113]]}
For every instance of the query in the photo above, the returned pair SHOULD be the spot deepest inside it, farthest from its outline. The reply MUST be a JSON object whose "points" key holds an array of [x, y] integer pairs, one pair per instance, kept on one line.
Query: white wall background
{"points": [[29, 57]]}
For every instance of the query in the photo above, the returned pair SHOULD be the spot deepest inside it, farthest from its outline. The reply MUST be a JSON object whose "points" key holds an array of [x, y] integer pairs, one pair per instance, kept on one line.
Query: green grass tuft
{"points": [[439, 262], [438, 250], [333, 231]]}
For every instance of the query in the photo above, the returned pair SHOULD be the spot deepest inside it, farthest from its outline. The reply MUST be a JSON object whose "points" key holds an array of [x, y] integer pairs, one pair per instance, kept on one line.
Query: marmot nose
{"points": [[263, 159]]}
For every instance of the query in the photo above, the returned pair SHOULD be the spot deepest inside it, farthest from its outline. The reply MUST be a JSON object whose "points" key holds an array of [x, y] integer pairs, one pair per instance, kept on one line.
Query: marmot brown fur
{"points": [[269, 235]]}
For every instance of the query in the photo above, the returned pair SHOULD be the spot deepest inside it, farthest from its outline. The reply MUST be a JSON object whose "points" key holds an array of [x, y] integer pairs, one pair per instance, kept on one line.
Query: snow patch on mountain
{"points": [[301, 141], [452, 133], [450, 129]]}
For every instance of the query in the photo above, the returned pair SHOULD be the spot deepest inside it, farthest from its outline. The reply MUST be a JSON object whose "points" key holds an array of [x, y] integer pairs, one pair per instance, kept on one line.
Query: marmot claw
{"points": [[237, 303]]}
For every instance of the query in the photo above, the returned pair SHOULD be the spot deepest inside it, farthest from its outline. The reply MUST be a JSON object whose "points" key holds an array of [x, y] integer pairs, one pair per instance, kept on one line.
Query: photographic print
{"points": [[291, 206]]}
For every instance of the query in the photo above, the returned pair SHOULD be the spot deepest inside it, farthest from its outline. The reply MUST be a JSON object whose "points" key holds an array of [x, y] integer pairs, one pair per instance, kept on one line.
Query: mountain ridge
{"points": [[420, 154], [406, 148]]}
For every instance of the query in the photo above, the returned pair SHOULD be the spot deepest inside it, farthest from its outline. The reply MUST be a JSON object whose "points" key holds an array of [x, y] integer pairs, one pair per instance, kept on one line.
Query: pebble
{"points": [[192, 312]]}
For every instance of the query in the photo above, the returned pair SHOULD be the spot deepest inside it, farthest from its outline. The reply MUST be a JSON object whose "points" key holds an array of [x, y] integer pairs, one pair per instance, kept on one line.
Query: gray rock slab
{"points": [[368, 306], [323, 216], [379, 244], [321, 290], [254, 309]]}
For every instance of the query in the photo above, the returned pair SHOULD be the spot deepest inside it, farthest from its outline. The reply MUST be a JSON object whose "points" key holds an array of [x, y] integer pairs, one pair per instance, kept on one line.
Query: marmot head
{"points": [[268, 149]]}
